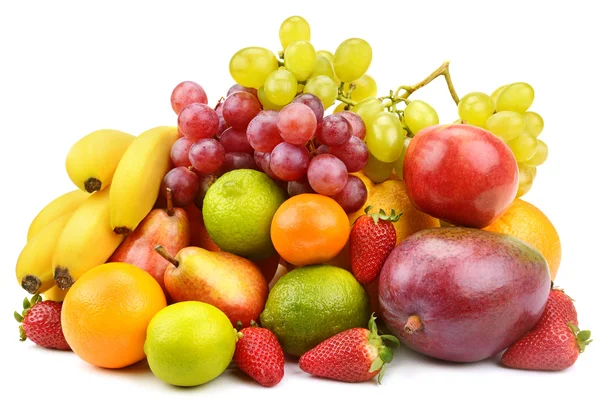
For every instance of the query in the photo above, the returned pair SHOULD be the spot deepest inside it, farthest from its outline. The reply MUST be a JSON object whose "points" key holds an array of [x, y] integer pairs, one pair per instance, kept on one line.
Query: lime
{"points": [[189, 343], [238, 209], [311, 304]]}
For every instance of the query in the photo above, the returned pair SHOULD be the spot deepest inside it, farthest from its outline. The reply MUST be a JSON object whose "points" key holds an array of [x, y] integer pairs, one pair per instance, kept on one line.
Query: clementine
{"points": [[526, 222], [106, 312], [309, 229]]}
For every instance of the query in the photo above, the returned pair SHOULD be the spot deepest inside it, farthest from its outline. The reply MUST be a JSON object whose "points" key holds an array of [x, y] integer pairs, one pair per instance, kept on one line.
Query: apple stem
{"points": [[165, 254], [413, 324], [170, 211]]}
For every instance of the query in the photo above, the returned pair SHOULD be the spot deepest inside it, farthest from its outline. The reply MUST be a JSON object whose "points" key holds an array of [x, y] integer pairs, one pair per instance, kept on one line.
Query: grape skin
{"points": [[352, 59], [206, 156], [184, 185], [262, 133], [335, 130], [198, 121], [327, 174], [297, 123], [354, 154], [353, 196], [239, 108], [250, 66], [313, 102], [186, 93], [289, 162], [180, 152], [358, 126], [419, 115]]}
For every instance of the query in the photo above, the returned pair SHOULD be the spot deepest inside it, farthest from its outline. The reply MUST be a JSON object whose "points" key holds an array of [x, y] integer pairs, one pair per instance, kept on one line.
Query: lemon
{"points": [[311, 304], [189, 343], [238, 209]]}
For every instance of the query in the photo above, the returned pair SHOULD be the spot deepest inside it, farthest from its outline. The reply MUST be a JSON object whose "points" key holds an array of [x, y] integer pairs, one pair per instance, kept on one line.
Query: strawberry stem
{"points": [[384, 353], [583, 337], [381, 215]]}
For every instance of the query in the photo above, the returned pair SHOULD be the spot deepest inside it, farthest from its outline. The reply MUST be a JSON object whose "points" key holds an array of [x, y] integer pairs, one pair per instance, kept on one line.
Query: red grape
{"points": [[313, 102], [237, 161], [354, 154], [207, 156], [335, 130], [205, 182], [262, 131], [297, 123], [185, 94], [353, 196], [180, 152], [235, 141], [322, 149], [289, 162], [198, 121], [222, 124], [240, 88], [184, 184], [358, 126], [295, 188], [239, 109], [263, 161], [327, 174]]}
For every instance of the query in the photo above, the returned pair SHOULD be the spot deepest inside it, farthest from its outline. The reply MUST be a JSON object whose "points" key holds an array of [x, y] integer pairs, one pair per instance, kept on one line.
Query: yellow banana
{"points": [[92, 161], [136, 183], [67, 203], [86, 242], [34, 266], [54, 294]]}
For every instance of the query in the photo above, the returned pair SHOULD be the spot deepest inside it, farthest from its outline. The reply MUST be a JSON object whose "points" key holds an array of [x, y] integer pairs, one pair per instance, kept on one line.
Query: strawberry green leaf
{"points": [[381, 373], [584, 335], [368, 208], [376, 365], [18, 317], [22, 335], [36, 299], [386, 354], [391, 338], [26, 303]]}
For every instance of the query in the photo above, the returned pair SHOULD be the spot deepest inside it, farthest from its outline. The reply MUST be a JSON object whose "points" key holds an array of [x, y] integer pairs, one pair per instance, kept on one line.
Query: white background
{"points": [[70, 68]]}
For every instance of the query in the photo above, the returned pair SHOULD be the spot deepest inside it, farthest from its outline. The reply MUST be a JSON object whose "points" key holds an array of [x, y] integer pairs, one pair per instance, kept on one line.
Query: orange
{"points": [[309, 229], [526, 222], [106, 313]]}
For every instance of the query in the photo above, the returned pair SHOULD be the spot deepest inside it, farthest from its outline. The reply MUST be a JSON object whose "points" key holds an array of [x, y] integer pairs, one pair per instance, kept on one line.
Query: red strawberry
{"points": [[355, 355], [554, 343], [40, 322], [372, 239], [260, 356]]}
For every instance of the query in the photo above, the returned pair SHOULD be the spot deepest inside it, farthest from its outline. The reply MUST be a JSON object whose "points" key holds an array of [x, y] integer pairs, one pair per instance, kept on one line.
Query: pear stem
{"points": [[165, 254], [170, 211], [413, 324]]}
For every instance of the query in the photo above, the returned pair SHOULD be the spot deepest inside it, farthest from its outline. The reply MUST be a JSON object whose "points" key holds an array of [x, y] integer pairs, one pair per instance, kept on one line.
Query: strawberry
{"points": [[554, 343], [355, 355], [40, 322], [260, 356], [372, 239]]}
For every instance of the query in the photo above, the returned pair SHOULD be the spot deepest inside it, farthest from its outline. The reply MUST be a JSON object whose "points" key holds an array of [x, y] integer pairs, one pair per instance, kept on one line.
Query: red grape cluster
{"points": [[298, 147]]}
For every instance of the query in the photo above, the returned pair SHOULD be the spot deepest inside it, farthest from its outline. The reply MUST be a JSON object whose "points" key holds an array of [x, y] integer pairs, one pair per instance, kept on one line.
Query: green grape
{"points": [[324, 88], [476, 108], [323, 67], [385, 136], [352, 59], [281, 87], [540, 156], [515, 97], [300, 59], [496, 93], [339, 108], [507, 125], [526, 178], [534, 123], [327, 54], [264, 100], [364, 87], [399, 163], [292, 29], [419, 115], [250, 67], [523, 146], [376, 170], [368, 108]]}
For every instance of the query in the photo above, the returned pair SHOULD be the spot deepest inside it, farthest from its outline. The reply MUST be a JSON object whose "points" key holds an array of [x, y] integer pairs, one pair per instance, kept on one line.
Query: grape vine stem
{"points": [[442, 70]]}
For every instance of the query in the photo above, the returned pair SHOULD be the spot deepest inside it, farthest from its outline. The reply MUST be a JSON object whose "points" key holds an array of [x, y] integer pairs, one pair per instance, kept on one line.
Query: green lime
{"points": [[311, 304], [238, 209], [189, 343]]}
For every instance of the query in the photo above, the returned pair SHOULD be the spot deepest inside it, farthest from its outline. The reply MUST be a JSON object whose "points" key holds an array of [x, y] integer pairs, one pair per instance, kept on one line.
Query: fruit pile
{"points": [[266, 226]]}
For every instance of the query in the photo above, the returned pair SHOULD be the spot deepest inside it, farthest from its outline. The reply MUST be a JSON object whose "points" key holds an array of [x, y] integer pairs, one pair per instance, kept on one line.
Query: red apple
{"points": [[461, 174]]}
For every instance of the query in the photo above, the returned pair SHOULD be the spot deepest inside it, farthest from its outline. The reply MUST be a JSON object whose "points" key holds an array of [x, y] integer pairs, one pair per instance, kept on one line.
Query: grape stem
{"points": [[442, 70]]}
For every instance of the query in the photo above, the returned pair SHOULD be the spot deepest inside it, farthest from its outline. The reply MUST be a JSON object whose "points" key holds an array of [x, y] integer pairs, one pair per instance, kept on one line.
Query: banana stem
{"points": [[165, 254]]}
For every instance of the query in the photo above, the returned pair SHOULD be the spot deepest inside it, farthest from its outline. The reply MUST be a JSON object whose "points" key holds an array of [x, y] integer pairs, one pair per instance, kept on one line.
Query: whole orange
{"points": [[526, 222], [106, 313], [309, 229]]}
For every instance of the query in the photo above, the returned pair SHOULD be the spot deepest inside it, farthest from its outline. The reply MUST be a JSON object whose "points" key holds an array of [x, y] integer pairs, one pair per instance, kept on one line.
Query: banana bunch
{"points": [[136, 183], [92, 161], [67, 203]]}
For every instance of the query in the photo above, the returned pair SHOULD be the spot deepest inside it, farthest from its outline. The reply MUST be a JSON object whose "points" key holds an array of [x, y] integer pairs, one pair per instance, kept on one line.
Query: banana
{"points": [[137, 180], [86, 241], [55, 294], [92, 161], [67, 203], [34, 266]]}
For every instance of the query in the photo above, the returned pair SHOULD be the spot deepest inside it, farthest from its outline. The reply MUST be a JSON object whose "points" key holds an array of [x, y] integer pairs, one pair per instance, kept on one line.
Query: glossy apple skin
{"points": [[461, 174], [171, 232], [231, 283], [475, 292]]}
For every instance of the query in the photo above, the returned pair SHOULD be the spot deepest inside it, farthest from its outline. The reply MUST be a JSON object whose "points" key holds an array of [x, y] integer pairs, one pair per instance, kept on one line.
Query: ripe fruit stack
{"points": [[200, 216]]}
